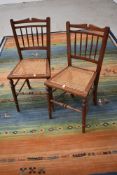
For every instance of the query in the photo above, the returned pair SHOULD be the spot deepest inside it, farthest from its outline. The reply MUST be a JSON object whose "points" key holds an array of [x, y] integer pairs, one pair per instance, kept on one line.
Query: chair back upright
{"points": [[32, 34], [86, 42]]}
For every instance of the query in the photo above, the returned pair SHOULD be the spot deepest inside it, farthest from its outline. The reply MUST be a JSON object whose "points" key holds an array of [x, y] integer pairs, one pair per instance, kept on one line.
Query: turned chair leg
{"points": [[95, 95], [52, 104], [84, 112], [14, 95], [28, 83], [95, 90], [72, 95], [49, 97]]}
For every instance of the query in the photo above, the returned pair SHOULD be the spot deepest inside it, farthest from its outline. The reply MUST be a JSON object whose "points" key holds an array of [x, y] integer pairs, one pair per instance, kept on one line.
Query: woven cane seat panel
{"points": [[31, 68], [75, 79]]}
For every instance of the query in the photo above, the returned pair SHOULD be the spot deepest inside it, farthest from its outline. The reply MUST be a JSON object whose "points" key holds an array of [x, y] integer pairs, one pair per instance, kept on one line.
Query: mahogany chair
{"points": [[86, 43], [30, 34]]}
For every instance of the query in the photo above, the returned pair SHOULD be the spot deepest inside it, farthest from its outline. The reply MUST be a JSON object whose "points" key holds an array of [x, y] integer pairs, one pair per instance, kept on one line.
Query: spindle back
{"points": [[86, 42], [32, 34]]}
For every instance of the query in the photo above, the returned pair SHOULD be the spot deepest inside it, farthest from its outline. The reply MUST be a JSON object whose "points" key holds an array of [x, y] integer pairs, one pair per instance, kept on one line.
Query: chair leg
{"points": [[14, 95], [84, 112], [95, 90], [72, 95], [28, 83], [49, 97], [52, 103], [95, 95]]}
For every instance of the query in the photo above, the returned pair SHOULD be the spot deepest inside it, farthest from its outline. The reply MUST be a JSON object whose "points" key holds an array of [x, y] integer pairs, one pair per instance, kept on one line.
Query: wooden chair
{"points": [[30, 34], [86, 43]]}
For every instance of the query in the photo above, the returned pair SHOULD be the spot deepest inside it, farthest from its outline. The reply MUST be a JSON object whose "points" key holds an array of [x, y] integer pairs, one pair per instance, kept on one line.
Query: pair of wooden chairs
{"points": [[84, 42]]}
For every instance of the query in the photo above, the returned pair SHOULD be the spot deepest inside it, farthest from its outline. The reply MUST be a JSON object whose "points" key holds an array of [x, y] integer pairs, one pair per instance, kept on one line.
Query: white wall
{"points": [[14, 1], [97, 12]]}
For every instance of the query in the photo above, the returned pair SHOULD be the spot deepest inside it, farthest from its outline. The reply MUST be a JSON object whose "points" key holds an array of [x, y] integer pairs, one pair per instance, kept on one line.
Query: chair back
{"points": [[32, 34], [86, 42]]}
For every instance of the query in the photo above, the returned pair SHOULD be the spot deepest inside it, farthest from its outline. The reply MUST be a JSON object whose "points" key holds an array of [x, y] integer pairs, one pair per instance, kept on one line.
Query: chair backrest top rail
{"points": [[27, 26], [86, 32], [30, 20]]}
